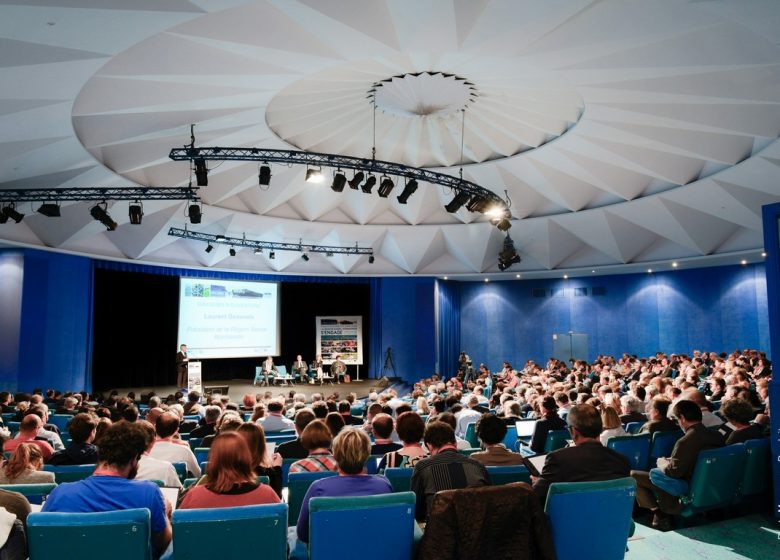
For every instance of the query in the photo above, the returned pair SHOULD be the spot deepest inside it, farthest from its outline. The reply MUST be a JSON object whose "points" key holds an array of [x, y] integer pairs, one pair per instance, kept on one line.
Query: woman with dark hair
{"points": [[335, 422], [410, 428], [316, 439], [254, 436], [229, 480], [24, 467]]}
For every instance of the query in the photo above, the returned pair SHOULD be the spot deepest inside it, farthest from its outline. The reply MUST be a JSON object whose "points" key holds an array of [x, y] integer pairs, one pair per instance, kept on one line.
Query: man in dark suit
{"points": [[587, 461], [181, 366], [294, 449], [301, 368], [658, 419], [550, 421]]}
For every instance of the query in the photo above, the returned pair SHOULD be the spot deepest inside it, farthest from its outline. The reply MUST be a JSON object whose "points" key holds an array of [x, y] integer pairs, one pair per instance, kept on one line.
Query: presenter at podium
{"points": [[338, 368], [181, 366]]}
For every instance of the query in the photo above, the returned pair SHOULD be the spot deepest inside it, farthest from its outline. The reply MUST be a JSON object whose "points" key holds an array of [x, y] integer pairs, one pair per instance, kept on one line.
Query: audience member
{"points": [[316, 439], [549, 421], [335, 423], [81, 450], [382, 428], [28, 432], [491, 431], [208, 427], [166, 449], [262, 464], [610, 425], [658, 417], [739, 414], [410, 428], [294, 449], [150, 468], [275, 421], [24, 466]]}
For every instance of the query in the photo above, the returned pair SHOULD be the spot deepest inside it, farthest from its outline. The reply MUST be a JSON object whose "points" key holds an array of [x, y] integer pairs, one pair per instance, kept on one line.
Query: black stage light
{"points": [[3, 217], [209, 248], [369, 184], [385, 186], [371, 259], [50, 209], [328, 254], [408, 191], [232, 252], [476, 204], [305, 257], [259, 251], [10, 212], [508, 255], [194, 213], [356, 180], [502, 223], [339, 180], [136, 211], [100, 213], [201, 172], [460, 199], [264, 176], [272, 255]]}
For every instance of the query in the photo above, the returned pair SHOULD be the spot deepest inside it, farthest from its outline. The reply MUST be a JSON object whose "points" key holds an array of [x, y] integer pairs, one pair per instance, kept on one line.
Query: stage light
{"points": [[328, 254], [385, 186], [476, 204], [459, 200], [411, 186], [209, 248], [201, 172], [259, 251], [100, 213], [232, 251], [314, 176], [264, 176], [339, 180], [370, 259], [9, 212], [220, 237], [495, 212], [305, 257], [356, 180], [508, 255], [3, 217], [369, 184], [50, 209], [136, 212], [501, 223], [272, 255], [194, 213]]}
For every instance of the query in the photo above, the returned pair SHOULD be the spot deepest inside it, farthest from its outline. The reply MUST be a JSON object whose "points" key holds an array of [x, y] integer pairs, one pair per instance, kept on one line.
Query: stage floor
{"points": [[237, 388]]}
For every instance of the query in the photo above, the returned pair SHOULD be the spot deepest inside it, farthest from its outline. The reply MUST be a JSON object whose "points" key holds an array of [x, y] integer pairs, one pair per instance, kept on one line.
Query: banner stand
{"points": [[194, 377]]}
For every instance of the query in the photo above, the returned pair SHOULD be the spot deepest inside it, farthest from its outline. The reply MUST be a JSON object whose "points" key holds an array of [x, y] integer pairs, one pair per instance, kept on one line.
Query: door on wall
{"points": [[570, 346]]}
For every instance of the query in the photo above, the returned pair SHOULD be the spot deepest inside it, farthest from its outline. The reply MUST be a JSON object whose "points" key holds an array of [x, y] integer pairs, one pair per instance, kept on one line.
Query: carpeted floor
{"points": [[753, 537]]}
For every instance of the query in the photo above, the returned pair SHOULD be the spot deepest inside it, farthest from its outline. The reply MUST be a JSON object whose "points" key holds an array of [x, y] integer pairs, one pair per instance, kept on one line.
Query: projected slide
{"points": [[228, 319]]}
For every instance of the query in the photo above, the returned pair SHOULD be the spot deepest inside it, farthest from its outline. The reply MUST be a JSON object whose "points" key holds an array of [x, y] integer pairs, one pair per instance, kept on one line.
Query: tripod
{"points": [[389, 365]]}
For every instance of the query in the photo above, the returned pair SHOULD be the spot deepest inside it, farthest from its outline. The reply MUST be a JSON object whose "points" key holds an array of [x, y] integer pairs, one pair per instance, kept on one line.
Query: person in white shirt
{"points": [[611, 426], [467, 416], [275, 420], [150, 468], [166, 449]]}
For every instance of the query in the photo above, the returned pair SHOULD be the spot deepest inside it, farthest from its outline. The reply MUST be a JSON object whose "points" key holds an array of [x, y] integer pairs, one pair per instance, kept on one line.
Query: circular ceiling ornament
{"points": [[423, 94]]}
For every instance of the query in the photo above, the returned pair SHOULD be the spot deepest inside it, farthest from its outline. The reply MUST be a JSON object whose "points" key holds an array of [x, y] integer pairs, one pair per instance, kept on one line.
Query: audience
{"points": [[262, 464], [24, 467], [491, 432]]}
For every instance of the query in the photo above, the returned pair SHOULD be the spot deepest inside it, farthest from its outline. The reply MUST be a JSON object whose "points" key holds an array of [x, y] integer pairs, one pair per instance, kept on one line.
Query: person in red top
{"points": [[230, 480], [28, 431]]}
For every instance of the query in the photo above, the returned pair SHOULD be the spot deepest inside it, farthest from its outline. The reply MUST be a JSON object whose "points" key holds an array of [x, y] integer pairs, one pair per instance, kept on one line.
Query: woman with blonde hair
{"points": [[24, 467], [422, 406], [229, 480], [262, 465], [610, 424], [351, 449]]}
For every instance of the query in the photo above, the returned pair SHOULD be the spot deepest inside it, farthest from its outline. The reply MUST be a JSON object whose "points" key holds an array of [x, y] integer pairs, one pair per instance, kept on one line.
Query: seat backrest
{"points": [[510, 439], [201, 454], [471, 434], [125, 533], [508, 474], [634, 427], [181, 469], [35, 493], [469, 450], [70, 473], [286, 468], [556, 439], [223, 532], [195, 442], [61, 421], [757, 475], [332, 523], [662, 444], [282, 370], [400, 478], [716, 478], [373, 463], [635, 448], [602, 533], [298, 484]]}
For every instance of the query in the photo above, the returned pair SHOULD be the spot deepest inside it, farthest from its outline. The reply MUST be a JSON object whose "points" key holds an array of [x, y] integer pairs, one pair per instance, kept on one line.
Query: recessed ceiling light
{"points": [[743, 262], [649, 270], [565, 276], [517, 276], [593, 271], [674, 264], [763, 253], [445, 278], [487, 280]]}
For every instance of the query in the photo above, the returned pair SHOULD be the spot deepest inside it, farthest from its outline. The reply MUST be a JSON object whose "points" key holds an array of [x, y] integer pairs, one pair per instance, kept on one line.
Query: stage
{"points": [[237, 388]]}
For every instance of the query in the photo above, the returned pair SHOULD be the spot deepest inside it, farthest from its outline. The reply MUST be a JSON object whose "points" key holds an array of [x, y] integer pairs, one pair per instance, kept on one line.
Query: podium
{"points": [[194, 377]]}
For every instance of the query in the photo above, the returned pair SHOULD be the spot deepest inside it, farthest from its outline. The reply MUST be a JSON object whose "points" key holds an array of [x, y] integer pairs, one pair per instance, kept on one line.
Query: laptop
{"points": [[525, 428], [535, 464]]}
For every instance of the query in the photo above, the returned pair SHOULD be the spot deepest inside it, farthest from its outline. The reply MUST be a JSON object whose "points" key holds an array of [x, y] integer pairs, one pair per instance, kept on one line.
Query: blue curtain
{"points": [[375, 333], [447, 327]]}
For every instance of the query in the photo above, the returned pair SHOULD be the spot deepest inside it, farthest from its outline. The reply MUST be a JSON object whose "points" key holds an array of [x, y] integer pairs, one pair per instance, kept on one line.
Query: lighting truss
{"points": [[99, 194], [270, 245], [367, 165]]}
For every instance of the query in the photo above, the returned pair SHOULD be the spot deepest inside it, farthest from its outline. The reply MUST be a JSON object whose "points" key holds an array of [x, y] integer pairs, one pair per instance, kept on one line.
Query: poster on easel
{"points": [[340, 336], [193, 377]]}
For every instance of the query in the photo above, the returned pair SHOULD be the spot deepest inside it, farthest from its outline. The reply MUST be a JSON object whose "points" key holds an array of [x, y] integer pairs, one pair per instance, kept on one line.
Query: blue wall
{"points": [[718, 309]]}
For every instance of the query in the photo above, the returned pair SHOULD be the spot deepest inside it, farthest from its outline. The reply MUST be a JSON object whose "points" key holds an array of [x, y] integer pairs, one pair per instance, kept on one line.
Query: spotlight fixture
{"points": [[305, 257], [264, 176], [501, 223], [3, 217], [209, 248], [259, 251], [10, 212], [411, 186], [100, 213], [314, 176], [136, 212], [508, 255], [368, 185], [459, 200], [339, 180], [354, 183], [50, 209], [370, 259], [201, 172], [232, 251], [194, 213], [385, 186], [272, 255], [328, 254], [476, 204]]}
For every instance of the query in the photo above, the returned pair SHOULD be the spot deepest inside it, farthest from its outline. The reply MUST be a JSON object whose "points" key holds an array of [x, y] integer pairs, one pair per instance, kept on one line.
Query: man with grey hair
{"points": [[467, 416], [632, 408], [209, 423]]}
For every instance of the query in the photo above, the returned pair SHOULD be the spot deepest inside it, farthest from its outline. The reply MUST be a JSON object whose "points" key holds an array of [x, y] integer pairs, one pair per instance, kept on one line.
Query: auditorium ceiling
{"points": [[627, 135]]}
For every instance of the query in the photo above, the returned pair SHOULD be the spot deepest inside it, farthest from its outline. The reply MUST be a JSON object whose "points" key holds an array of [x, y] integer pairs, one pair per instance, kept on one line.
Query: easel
{"points": [[389, 365]]}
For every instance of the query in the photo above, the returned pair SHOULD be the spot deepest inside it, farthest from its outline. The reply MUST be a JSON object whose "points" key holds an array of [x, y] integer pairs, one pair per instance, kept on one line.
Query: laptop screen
{"points": [[535, 464], [525, 428]]}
